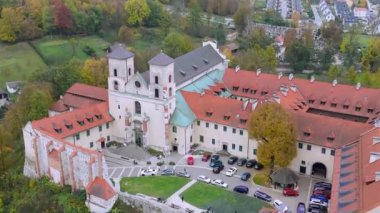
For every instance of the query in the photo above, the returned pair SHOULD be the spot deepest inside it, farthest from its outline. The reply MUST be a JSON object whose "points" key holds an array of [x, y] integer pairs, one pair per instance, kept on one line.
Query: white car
{"points": [[280, 206], [318, 201], [149, 172], [203, 178], [219, 183], [231, 171]]}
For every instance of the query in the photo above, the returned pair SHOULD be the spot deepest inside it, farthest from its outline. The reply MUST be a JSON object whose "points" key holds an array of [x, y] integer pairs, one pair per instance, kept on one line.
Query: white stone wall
{"points": [[122, 67], [95, 135], [183, 138], [313, 156]]}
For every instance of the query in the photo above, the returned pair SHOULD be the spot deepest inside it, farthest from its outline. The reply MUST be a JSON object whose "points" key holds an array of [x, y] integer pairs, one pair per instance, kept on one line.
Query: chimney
{"points": [[335, 82], [291, 76], [237, 68], [258, 72], [279, 75], [358, 85], [237, 116], [312, 79], [60, 97]]}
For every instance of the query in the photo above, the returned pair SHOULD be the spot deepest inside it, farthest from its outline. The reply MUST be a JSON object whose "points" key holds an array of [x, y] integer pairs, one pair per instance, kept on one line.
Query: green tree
{"points": [[39, 105], [95, 72], [325, 57], [257, 57], [351, 75], [242, 15], [10, 23], [259, 37], [334, 72], [349, 47], [371, 56], [220, 34], [271, 126], [332, 33], [137, 11], [156, 12], [194, 20], [298, 55], [176, 44]]}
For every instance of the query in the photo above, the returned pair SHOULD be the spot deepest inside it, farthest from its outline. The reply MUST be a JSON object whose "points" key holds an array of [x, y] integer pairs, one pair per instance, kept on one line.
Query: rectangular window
{"points": [[225, 128], [207, 124], [303, 162], [234, 130], [174, 129], [233, 146], [300, 145], [240, 148], [77, 136], [198, 123], [107, 125], [88, 132], [118, 106], [108, 138], [91, 144], [100, 128], [216, 126], [332, 152], [191, 139], [254, 151], [213, 141], [309, 147], [323, 150], [201, 138], [241, 132]]}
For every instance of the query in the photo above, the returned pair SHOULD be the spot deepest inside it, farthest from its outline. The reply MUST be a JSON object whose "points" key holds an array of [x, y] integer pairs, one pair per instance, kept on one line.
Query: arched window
{"points": [[156, 79], [115, 72], [170, 78], [137, 108], [156, 93], [116, 85], [129, 71], [170, 92]]}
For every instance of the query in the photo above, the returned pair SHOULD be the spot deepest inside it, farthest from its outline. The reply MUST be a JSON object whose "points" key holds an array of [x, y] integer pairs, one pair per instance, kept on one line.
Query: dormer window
{"points": [[306, 134], [226, 117], [235, 88], [357, 109], [264, 92], [90, 119], [345, 106], [330, 138], [81, 122], [311, 101], [69, 126], [323, 102], [209, 113], [195, 67], [58, 130], [245, 90], [99, 116], [333, 105], [243, 121], [253, 91], [205, 60], [370, 111]]}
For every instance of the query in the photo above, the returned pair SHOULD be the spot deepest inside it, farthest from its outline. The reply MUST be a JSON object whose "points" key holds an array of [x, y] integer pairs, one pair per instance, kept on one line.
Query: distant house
{"points": [[360, 12], [3, 98], [14, 86], [326, 12]]}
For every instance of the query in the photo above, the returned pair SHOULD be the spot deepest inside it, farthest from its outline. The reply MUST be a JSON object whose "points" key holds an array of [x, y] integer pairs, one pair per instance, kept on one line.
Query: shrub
{"points": [[171, 163], [89, 51]]}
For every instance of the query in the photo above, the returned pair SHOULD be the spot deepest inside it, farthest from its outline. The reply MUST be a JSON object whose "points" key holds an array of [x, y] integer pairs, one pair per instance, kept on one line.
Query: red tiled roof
{"points": [[85, 90], [52, 124], [59, 106], [320, 91], [99, 187]]}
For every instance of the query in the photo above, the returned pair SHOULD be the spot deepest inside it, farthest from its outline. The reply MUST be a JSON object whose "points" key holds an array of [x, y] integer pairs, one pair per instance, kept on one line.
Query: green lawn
{"points": [[363, 39], [204, 195], [17, 62], [260, 4], [155, 186], [61, 50]]}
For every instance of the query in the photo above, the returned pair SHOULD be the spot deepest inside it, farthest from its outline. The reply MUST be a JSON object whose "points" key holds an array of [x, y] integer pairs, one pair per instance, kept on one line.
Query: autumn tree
{"points": [[11, 23], [259, 37], [137, 11], [176, 44], [296, 16], [95, 72], [63, 20], [242, 15], [334, 72], [257, 57], [126, 34], [332, 34], [290, 37], [371, 56], [272, 127]]}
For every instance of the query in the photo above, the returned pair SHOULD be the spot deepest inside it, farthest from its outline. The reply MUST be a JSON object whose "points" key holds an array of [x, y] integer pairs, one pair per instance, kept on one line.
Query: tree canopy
{"points": [[298, 55], [241, 16], [271, 126], [137, 11], [176, 44]]}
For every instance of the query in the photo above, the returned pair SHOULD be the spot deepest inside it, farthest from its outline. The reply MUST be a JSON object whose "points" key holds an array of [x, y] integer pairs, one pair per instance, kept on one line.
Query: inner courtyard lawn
{"points": [[204, 196], [155, 186]]}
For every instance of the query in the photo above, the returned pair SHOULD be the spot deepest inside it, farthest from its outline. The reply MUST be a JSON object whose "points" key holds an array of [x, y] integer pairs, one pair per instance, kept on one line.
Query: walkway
{"points": [[317, 18], [176, 199]]}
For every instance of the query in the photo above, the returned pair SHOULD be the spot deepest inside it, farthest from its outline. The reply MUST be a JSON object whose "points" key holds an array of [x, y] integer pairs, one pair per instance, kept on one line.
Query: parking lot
{"points": [[116, 170]]}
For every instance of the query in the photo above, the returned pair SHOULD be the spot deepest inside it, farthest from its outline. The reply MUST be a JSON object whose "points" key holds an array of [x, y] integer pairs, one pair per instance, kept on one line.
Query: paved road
{"points": [[317, 18]]}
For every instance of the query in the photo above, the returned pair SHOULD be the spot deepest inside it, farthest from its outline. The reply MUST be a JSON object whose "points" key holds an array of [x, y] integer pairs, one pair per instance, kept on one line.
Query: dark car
{"points": [[214, 158], [320, 197], [325, 185], [241, 189], [251, 163], [232, 160], [258, 166], [245, 176], [322, 191], [218, 168], [216, 163], [301, 208], [263, 196], [241, 161], [317, 208]]}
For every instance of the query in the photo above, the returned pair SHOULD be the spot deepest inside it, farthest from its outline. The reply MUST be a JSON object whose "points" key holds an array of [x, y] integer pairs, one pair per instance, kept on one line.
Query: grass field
{"points": [[155, 186], [61, 50], [17, 62], [363, 39], [260, 4], [220, 200]]}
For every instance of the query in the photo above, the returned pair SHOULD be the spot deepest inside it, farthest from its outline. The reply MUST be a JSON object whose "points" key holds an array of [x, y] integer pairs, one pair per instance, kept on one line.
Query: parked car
{"points": [[290, 192], [241, 189], [301, 208], [204, 179], [219, 183], [322, 191], [241, 161], [262, 195], [325, 185], [245, 176], [214, 158], [231, 171], [232, 160], [149, 172], [218, 169], [183, 174], [280, 206], [258, 166], [317, 208], [206, 156], [168, 172], [216, 163], [251, 163], [190, 160], [318, 202], [320, 197]]}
